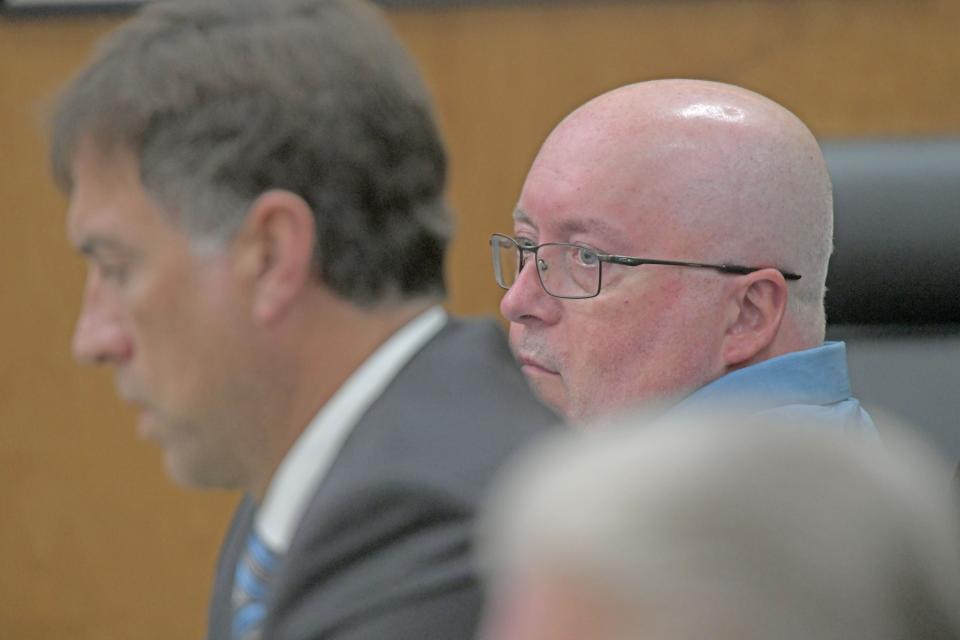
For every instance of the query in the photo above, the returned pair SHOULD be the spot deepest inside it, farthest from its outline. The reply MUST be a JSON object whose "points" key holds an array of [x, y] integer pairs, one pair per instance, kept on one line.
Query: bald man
{"points": [[678, 233]]}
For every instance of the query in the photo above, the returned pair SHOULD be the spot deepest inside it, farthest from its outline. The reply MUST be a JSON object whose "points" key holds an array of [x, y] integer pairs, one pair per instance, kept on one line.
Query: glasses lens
{"points": [[506, 260], [569, 271]]}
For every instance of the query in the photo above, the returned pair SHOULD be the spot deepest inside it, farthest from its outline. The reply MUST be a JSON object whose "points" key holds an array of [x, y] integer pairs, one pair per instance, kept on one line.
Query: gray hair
{"points": [[745, 532], [222, 100]]}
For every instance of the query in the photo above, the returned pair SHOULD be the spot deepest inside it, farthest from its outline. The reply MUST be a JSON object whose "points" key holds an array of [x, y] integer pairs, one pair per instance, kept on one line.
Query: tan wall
{"points": [[96, 543]]}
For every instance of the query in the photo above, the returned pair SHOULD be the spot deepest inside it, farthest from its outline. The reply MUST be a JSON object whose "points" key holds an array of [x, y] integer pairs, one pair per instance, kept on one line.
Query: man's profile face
{"points": [[652, 330], [165, 318]]}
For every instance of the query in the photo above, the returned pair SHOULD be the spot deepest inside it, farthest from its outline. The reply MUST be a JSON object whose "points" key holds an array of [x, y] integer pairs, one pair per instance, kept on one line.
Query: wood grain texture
{"points": [[97, 543]]}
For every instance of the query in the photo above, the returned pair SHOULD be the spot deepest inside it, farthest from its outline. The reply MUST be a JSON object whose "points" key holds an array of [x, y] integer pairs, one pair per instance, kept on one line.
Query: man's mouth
{"points": [[146, 419], [532, 366]]}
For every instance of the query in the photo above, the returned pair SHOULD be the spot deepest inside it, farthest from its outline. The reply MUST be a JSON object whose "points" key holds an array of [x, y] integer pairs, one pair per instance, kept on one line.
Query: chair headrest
{"points": [[896, 232]]}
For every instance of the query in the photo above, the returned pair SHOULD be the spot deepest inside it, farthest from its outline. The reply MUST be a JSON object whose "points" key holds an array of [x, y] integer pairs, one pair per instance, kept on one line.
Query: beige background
{"points": [[95, 542]]}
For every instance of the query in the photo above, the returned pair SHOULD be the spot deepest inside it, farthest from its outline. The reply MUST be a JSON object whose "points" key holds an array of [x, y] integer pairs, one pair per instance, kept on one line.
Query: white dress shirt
{"points": [[309, 460]]}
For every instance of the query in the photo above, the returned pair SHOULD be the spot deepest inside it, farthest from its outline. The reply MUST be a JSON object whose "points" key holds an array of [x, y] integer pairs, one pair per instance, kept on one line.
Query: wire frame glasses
{"points": [[575, 271]]}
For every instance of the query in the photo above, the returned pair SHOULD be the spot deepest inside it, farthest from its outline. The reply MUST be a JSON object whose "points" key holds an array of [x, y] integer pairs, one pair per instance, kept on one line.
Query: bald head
{"points": [[730, 176], [672, 170]]}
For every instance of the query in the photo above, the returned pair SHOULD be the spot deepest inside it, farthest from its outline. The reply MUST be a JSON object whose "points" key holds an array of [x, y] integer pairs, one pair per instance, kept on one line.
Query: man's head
{"points": [[258, 187], [676, 170], [730, 531]]}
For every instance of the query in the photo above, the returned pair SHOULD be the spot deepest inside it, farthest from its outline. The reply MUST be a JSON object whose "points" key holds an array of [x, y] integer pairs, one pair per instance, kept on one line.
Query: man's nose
{"points": [[99, 336], [526, 301]]}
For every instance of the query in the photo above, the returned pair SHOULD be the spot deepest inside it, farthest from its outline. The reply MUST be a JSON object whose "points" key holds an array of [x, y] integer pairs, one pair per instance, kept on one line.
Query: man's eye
{"points": [[526, 243], [586, 257]]}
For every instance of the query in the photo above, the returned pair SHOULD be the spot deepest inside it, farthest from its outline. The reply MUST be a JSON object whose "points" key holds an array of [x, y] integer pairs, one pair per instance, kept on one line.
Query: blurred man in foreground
{"points": [[257, 186], [705, 529], [677, 234]]}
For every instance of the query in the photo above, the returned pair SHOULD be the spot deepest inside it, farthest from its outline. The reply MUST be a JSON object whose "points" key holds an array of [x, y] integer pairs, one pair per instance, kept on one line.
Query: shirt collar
{"points": [[815, 376]]}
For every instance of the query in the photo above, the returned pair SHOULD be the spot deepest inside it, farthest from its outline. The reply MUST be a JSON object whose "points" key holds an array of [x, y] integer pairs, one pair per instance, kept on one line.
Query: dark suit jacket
{"points": [[384, 549]]}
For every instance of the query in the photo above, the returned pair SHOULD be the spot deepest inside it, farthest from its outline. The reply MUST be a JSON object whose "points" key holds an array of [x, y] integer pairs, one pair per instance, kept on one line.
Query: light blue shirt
{"points": [[808, 386]]}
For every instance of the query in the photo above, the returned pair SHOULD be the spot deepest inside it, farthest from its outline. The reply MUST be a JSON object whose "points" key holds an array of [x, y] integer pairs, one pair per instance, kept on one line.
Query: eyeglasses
{"points": [[575, 271]]}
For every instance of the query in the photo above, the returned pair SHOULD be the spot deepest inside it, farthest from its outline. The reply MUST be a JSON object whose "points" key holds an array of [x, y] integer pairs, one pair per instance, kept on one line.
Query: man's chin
{"points": [[193, 474], [550, 391], [190, 466]]}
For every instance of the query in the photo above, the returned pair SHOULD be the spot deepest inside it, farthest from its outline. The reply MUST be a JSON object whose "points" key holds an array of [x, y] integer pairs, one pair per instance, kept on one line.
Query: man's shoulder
{"points": [[389, 530], [470, 336], [438, 433], [461, 397]]}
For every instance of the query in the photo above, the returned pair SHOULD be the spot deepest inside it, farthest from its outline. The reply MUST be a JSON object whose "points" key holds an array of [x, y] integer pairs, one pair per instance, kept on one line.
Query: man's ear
{"points": [[279, 239], [757, 307]]}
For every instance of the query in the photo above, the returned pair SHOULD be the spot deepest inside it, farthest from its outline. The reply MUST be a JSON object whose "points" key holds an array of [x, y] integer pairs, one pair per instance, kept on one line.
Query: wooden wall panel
{"points": [[503, 77], [97, 543]]}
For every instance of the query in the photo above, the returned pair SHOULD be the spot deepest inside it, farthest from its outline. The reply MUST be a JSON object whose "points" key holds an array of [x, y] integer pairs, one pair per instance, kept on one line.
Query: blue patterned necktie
{"points": [[251, 585]]}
